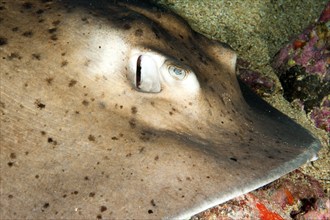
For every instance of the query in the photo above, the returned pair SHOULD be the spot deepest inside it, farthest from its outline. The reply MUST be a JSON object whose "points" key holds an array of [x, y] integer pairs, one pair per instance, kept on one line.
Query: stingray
{"points": [[116, 109]]}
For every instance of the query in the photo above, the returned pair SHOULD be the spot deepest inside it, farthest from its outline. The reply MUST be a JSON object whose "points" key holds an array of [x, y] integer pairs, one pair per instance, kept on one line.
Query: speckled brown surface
{"points": [[56, 135], [257, 30]]}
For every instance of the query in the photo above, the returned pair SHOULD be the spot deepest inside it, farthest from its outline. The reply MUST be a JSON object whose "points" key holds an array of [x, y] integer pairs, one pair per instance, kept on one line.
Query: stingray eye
{"points": [[177, 72]]}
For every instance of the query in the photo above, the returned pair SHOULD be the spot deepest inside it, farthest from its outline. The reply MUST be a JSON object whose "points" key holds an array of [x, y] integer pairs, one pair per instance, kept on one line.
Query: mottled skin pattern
{"points": [[78, 140]]}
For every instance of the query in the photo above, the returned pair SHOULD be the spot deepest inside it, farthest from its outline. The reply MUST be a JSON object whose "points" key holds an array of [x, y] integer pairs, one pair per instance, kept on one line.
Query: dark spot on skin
{"points": [[46, 205], [1, 8], [10, 196], [156, 32], [49, 80], [129, 155], [15, 29], [181, 36], [75, 192], [138, 33], [171, 113], [41, 20], [27, 5], [36, 176], [51, 141], [3, 41], [85, 102], [13, 156], [52, 30], [53, 37], [156, 158], [27, 34], [188, 178], [72, 83], [114, 138], [146, 135], [92, 194], [13, 56], [36, 56], [57, 22], [233, 159], [39, 104], [64, 63], [153, 202], [86, 178], [134, 110], [40, 11], [103, 208], [10, 164], [150, 211], [99, 216], [141, 149], [91, 137], [43, 133], [132, 123], [127, 26]]}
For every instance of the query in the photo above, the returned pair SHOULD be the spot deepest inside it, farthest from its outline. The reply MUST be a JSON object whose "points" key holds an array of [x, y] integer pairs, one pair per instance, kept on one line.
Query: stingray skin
{"points": [[79, 140]]}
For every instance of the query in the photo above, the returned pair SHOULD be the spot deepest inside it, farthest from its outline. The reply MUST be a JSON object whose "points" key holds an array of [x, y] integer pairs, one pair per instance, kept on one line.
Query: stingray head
{"points": [[179, 80]]}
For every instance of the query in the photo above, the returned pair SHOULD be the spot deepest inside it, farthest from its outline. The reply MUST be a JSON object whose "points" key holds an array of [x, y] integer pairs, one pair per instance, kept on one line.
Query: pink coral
{"points": [[321, 115]]}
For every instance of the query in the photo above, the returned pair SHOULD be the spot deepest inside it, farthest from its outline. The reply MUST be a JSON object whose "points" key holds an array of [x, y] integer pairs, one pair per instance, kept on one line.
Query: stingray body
{"points": [[114, 110]]}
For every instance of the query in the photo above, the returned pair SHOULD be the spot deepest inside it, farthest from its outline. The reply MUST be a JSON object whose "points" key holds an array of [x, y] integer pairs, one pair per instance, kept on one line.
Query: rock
{"points": [[303, 67]]}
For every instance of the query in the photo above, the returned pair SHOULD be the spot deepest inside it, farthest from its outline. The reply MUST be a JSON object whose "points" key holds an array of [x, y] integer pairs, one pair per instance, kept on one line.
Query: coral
{"points": [[303, 69], [260, 84], [294, 196], [321, 115], [309, 50]]}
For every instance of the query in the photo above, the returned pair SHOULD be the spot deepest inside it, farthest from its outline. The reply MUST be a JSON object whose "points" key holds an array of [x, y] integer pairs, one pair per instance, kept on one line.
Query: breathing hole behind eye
{"points": [[138, 72], [146, 75]]}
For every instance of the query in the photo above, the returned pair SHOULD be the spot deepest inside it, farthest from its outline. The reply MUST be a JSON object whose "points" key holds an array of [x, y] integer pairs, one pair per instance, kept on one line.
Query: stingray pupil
{"points": [[177, 71], [138, 72]]}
